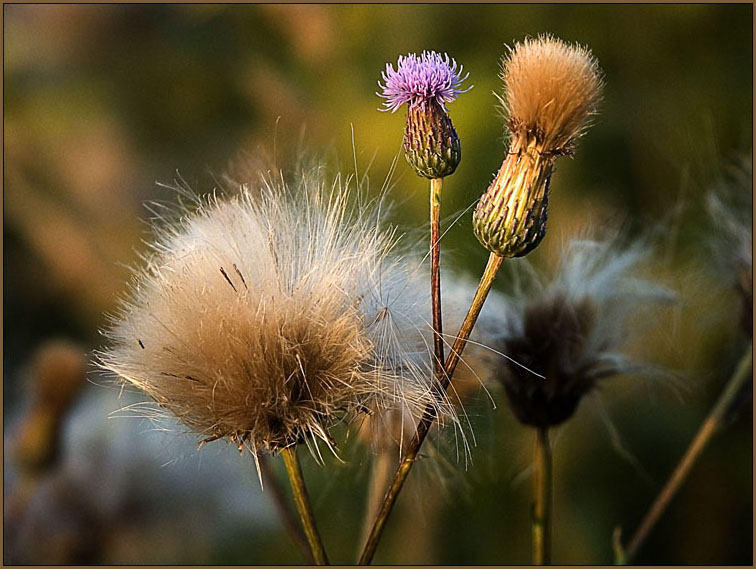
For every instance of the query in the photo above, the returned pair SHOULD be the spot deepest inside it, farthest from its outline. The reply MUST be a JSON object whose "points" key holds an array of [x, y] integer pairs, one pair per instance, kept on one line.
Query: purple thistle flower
{"points": [[419, 80]]}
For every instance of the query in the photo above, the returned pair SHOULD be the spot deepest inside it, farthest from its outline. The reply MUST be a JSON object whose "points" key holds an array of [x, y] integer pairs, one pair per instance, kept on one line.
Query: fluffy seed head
{"points": [[432, 77], [550, 90], [566, 337], [269, 316]]}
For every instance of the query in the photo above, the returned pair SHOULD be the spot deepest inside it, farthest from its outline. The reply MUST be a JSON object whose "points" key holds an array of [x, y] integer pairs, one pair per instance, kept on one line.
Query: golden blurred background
{"points": [[103, 101]]}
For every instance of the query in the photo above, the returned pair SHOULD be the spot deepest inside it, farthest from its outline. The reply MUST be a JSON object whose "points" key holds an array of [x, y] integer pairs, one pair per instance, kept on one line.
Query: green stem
{"points": [[288, 518], [711, 425], [303, 504], [542, 499], [486, 281], [435, 255]]}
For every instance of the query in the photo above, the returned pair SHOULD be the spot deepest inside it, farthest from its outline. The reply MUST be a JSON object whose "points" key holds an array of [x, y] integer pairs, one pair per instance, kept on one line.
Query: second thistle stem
{"points": [[303, 504], [542, 499], [435, 255], [484, 287], [713, 422], [288, 518]]}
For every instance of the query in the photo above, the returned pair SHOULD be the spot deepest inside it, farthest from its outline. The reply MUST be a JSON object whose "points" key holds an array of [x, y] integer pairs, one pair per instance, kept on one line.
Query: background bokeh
{"points": [[103, 101]]}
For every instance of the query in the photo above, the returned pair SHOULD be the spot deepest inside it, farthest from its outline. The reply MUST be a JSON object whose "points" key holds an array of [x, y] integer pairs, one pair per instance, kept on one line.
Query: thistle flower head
{"points": [[426, 84], [268, 317], [418, 81], [568, 336], [551, 88]]}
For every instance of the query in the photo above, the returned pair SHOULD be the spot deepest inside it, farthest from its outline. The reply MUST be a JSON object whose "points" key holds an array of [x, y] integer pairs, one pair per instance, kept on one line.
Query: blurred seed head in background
{"points": [[565, 333]]}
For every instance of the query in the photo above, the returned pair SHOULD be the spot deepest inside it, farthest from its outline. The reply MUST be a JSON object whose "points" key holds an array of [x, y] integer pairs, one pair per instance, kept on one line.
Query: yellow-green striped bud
{"points": [[510, 219]]}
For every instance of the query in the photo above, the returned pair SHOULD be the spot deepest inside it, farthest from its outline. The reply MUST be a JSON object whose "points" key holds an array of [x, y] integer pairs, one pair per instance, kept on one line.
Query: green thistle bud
{"points": [[431, 144]]}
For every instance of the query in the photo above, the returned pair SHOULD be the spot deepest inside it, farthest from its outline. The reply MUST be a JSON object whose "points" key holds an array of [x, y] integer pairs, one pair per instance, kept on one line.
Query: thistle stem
{"points": [[711, 425], [380, 475], [542, 499], [288, 518], [435, 255], [486, 281], [303, 504]]}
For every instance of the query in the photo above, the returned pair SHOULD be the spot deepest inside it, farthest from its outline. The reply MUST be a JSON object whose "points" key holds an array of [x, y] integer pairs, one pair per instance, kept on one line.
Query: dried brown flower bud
{"points": [[551, 88], [58, 372]]}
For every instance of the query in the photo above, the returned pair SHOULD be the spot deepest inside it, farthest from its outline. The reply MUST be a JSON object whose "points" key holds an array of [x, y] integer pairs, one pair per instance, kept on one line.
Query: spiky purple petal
{"points": [[418, 80]]}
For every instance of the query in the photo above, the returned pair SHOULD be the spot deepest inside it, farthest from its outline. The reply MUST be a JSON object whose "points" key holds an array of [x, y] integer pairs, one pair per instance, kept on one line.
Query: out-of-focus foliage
{"points": [[101, 101]]}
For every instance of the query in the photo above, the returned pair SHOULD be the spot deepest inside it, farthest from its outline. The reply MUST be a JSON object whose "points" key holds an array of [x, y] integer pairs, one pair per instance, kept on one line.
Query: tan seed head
{"points": [[551, 88]]}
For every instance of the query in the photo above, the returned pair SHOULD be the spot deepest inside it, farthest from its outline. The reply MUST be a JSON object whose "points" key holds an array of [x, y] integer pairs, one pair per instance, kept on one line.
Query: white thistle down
{"points": [[270, 316], [730, 208]]}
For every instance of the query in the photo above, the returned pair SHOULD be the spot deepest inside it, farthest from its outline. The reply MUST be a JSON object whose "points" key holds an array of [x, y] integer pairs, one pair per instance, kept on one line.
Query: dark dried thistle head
{"points": [[563, 338], [554, 336]]}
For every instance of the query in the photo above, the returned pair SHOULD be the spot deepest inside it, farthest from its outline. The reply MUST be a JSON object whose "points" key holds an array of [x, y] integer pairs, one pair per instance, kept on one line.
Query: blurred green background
{"points": [[102, 101]]}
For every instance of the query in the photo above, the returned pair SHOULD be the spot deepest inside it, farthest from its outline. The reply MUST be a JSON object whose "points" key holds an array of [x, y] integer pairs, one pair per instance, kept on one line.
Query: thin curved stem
{"points": [[711, 425], [303, 504], [380, 476], [288, 518], [542, 499], [435, 255], [484, 287]]}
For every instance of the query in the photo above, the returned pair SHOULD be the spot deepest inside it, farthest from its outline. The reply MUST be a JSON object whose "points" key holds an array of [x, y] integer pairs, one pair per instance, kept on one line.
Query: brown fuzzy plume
{"points": [[550, 90], [271, 316]]}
